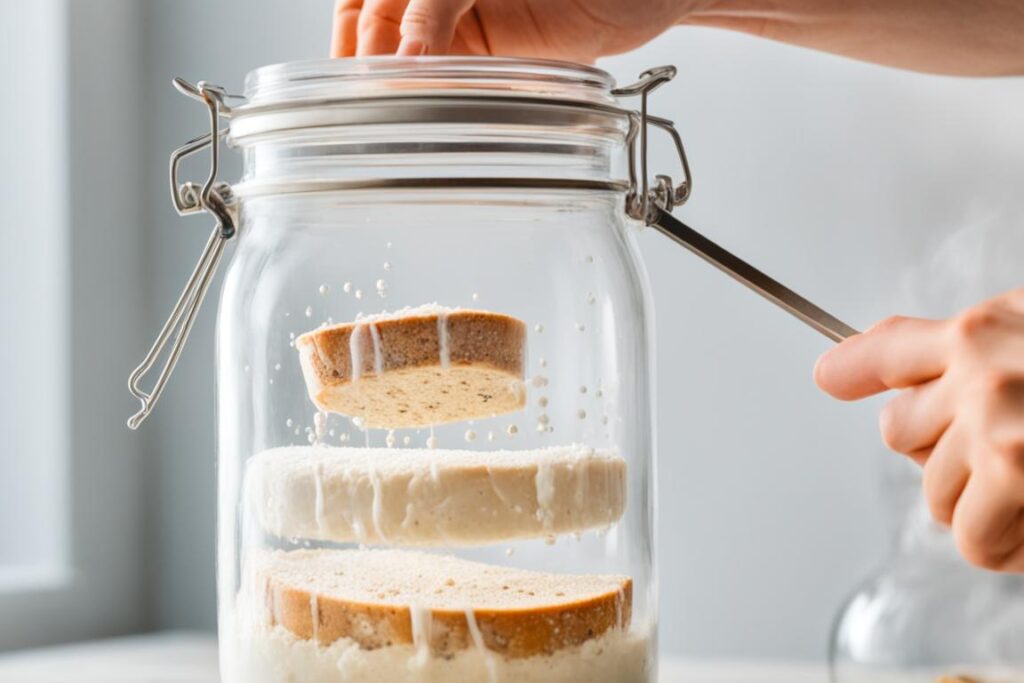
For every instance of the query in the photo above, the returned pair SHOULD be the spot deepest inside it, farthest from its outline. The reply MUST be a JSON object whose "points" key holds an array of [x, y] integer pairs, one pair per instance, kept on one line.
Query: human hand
{"points": [[960, 415], [572, 30]]}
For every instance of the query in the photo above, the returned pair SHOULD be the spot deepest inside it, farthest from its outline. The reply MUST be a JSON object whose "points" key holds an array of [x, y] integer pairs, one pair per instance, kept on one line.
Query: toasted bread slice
{"points": [[417, 367], [380, 598]]}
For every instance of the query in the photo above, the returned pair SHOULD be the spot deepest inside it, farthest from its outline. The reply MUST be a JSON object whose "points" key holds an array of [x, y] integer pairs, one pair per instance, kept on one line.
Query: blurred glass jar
{"points": [[374, 185], [928, 614]]}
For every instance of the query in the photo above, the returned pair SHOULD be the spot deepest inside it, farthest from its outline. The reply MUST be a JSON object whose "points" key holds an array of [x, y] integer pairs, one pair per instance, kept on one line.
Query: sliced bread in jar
{"points": [[440, 603], [429, 497], [417, 367]]}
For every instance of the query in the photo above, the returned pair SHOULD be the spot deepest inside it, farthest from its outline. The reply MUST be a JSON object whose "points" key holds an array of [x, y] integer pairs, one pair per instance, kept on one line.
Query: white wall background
{"points": [[842, 179]]}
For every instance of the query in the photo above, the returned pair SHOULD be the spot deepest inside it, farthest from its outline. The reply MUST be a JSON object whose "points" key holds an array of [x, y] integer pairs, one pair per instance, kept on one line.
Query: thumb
{"points": [[428, 26]]}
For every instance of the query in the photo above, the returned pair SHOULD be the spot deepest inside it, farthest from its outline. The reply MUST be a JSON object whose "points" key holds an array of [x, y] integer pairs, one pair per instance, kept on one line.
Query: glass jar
{"points": [[928, 614], [409, 231]]}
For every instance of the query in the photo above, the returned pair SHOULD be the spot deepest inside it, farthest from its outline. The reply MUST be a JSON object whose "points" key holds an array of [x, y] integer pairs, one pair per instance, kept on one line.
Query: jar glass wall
{"points": [[325, 570]]}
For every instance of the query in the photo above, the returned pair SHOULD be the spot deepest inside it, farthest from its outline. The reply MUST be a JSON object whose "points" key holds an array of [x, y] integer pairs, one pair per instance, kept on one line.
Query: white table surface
{"points": [[192, 658]]}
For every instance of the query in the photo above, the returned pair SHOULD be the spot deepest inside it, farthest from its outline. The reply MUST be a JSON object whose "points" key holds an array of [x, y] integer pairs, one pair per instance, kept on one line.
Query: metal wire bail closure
{"points": [[214, 198], [642, 199]]}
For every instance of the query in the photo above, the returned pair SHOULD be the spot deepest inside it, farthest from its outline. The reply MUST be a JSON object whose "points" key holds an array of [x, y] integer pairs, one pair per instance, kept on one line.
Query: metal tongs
{"points": [[654, 205]]}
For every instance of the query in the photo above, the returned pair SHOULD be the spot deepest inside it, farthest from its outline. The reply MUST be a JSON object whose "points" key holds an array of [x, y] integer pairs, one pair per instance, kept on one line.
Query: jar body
{"points": [[564, 263]]}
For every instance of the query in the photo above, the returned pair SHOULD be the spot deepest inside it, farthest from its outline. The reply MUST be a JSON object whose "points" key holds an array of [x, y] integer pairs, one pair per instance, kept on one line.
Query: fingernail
{"points": [[410, 47]]}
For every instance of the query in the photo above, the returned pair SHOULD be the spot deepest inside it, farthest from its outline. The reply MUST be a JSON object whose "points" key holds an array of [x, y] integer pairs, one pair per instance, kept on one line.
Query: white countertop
{"points": [[192, 658]]}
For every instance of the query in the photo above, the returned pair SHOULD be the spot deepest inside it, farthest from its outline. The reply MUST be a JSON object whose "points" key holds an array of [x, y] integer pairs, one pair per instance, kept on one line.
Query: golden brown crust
{"points": [[417, 369], [511, 632]]}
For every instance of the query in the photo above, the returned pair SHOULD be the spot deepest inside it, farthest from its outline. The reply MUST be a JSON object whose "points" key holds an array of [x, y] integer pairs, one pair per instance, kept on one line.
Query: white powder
{"points": [[263, 654]]}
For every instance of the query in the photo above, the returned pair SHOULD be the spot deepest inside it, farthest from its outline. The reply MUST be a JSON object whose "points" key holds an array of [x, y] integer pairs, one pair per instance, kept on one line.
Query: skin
{"points": [[958, 410]]}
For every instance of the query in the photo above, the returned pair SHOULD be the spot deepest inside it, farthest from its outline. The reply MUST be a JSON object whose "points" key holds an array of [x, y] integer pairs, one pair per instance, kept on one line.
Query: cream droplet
{"points": [[344, 437], [538, 328], [387, 265], [406, 440], [359, 294], [512, 430], [309, 311], [543, 418], [475, 296], [324, 289], [289, 422], [431, 441], [581, 414], [542, 362], [543, 401], [277, 366], [583, 388], [490, 436], [390, 438], [509, 552], [470, 435], [591, 299], [347, 287]]}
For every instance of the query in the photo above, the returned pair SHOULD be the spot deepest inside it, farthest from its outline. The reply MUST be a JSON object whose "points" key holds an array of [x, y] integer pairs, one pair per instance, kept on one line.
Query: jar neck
{"points": [[382, 152]]}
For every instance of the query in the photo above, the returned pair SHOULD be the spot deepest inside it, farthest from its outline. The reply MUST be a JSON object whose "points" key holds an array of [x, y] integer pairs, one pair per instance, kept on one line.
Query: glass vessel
{"points": [[447, 185], [927, 614]]}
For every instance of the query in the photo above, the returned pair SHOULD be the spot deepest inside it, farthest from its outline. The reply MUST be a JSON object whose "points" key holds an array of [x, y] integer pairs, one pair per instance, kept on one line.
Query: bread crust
{"points": [[419, 369], [510, 630]]}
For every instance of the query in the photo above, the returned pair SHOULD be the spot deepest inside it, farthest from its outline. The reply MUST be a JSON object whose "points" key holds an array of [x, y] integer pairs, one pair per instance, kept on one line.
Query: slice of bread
{"points": [[434, 497], [380, 598], [417, 367]]}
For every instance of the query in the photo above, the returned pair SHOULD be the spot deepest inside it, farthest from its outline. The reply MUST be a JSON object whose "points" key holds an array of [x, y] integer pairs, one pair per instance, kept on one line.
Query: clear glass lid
{"points": [[401, 76]]}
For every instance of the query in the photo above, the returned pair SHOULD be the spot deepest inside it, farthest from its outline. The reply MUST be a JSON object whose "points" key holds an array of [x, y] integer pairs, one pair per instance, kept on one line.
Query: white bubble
{"points": [[591, 299], [387, 265], [475, 296], [509, 552], [470, 435], [359, 294], [297, 431], [309, 311], [406, 440], [388, 245], [390, 439], [431, 441], [289, 422], [324, 289], [277, 366], [245, 369], [490, 436], [311, 438], [347, 287], [291, 335], [538, 328], [381, 284], [543, 362], [332, 433], [358, 422], [344, 437], [271, 380]]}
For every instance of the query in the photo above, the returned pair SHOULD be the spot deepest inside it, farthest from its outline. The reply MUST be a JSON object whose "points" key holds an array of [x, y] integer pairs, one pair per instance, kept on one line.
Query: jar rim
{"points": [[362, 77]]}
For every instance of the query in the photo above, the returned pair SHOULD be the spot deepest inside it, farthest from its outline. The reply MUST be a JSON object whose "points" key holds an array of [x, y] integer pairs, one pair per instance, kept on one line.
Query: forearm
{"points": [[960, 37]]}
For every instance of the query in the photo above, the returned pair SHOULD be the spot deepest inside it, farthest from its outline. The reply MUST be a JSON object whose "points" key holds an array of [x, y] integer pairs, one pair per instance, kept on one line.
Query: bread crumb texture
{"points": [[417, 367]]}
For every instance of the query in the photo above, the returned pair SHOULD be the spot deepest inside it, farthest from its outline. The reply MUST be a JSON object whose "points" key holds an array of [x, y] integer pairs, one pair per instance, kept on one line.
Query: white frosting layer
{"points": [[434, 497], [260, 654]]}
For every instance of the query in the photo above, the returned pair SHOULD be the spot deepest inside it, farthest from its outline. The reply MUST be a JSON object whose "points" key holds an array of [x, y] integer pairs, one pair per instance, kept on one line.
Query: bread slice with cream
{"points": [[440, 603], [417, 367], [410, 496]]}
